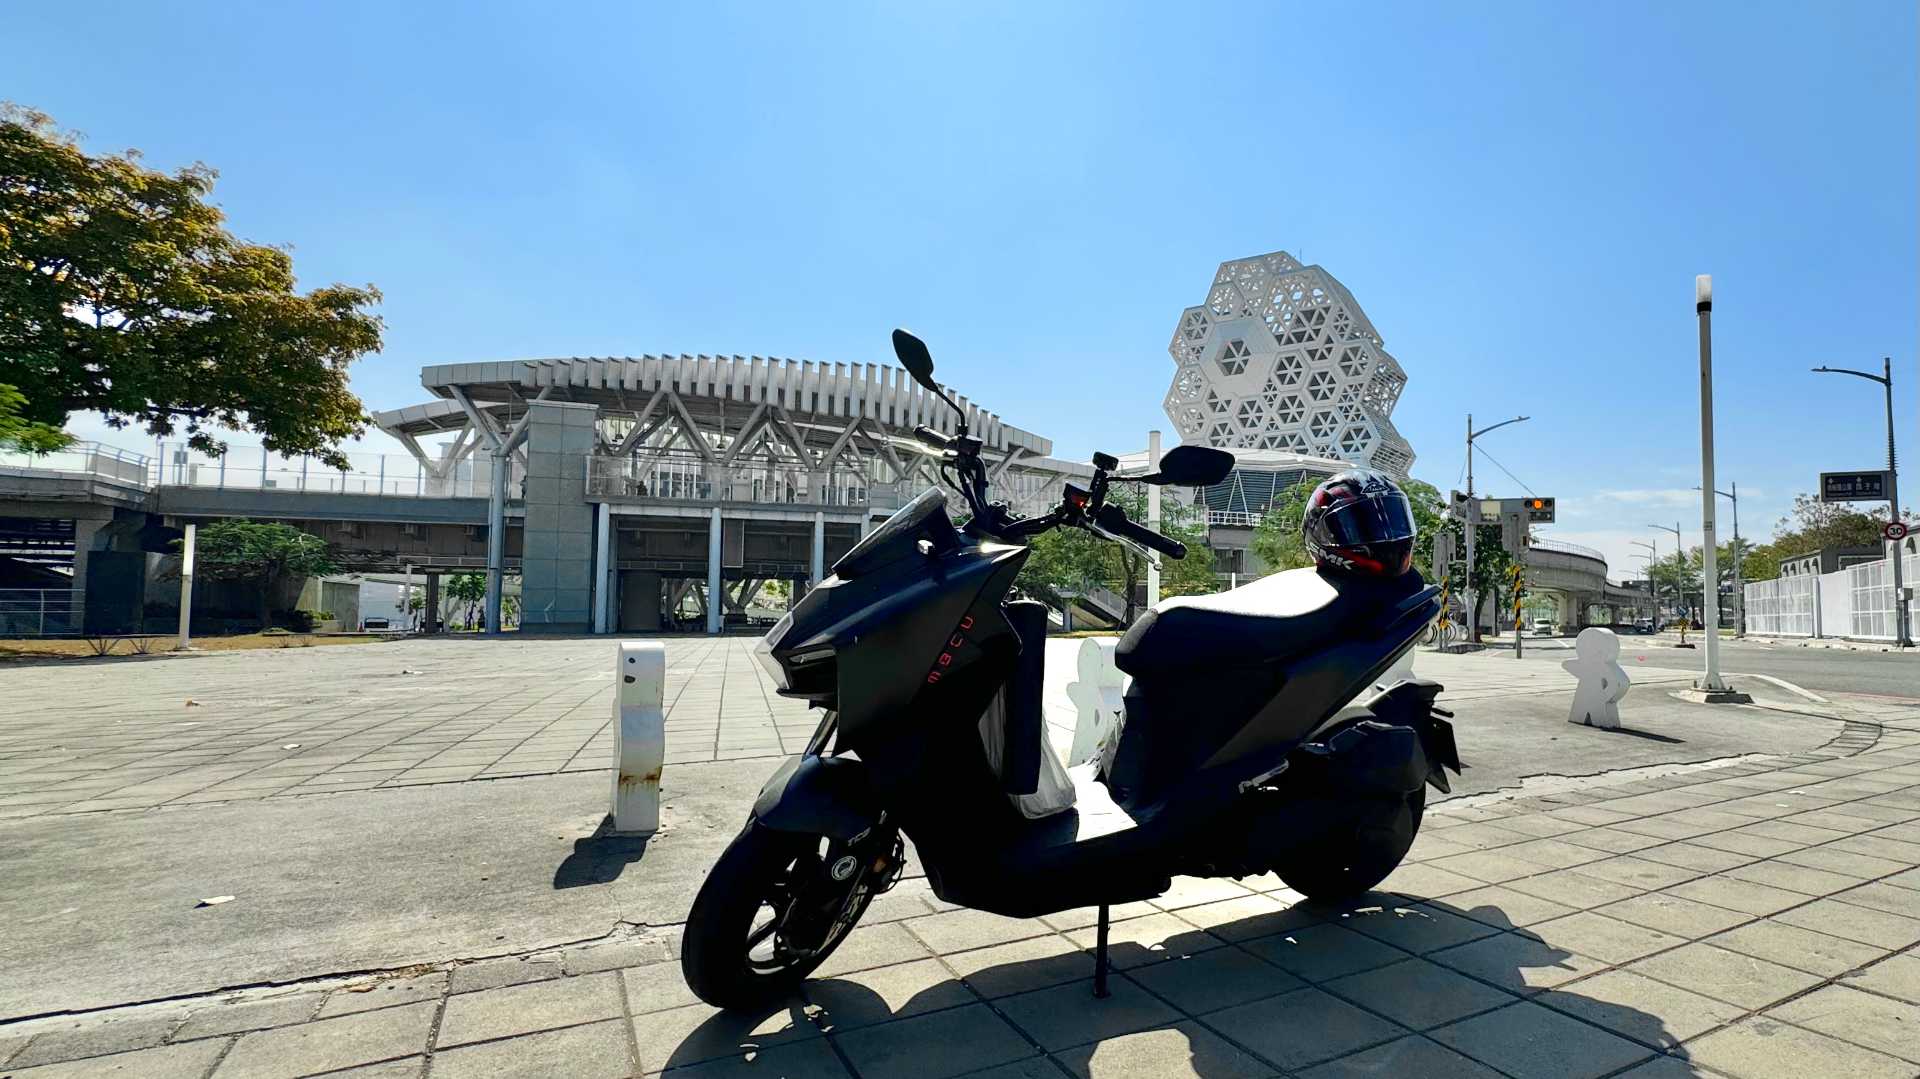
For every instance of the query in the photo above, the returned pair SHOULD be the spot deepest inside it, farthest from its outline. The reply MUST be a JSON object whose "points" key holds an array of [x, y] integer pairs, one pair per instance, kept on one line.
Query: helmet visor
{"points": [[1377, 518]]}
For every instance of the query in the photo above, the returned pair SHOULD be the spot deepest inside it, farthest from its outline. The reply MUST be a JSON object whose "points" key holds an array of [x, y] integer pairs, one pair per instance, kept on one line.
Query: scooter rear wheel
{"points": [[739, 949], [1354, 860]]}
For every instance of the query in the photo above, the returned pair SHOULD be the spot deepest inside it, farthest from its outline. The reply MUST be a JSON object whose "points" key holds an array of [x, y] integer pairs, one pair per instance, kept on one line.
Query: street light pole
{"points": [[1902, 638], [1473, 525], [1653, 595], [1679, 564], [1710, 680], [1739, 560]]}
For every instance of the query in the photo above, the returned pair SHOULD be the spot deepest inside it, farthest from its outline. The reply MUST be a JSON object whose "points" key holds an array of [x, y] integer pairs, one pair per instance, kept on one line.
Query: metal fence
{"points": [[690, 478], [254, 468], [1853, 602], [42, 612], [85, 459]]}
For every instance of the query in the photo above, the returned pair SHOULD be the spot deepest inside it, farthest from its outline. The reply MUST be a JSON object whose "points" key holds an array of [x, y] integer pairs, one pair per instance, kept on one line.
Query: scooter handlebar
{"points": [[1113, 519]]}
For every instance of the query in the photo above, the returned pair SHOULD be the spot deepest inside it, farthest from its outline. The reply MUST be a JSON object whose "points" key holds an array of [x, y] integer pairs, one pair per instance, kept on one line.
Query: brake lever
{"points": [[1123, 541]]}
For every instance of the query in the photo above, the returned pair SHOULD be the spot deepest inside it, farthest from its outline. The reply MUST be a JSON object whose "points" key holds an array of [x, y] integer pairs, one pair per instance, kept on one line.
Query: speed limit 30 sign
{"points": [[1895, 531]]}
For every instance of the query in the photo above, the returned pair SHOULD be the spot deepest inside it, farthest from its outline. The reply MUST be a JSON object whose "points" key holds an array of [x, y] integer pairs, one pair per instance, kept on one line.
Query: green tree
{"points": [[264, 553], [469, 589], [1276, 539], [20, 433], [1073, 559], [1812, 525], [122, 293]]}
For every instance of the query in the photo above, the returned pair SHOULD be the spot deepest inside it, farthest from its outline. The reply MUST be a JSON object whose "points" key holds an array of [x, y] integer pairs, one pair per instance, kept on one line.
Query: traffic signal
{"points": [[1539, 510]]}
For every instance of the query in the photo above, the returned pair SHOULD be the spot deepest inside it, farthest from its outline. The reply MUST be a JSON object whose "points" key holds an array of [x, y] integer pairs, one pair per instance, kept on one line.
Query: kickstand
{"points": [[1100, 958]]}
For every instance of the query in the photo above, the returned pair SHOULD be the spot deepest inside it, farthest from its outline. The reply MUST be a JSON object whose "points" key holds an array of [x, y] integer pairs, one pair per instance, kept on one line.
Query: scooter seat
{"points": [[1269, 620]]}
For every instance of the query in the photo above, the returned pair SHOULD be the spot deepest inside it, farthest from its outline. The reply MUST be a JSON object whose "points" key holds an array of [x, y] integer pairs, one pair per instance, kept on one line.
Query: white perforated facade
{"points": [[1281, 357]]}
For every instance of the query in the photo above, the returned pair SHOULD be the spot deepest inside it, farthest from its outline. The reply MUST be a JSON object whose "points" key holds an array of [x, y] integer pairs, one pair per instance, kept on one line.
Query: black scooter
{"points": [[1236, 756]]}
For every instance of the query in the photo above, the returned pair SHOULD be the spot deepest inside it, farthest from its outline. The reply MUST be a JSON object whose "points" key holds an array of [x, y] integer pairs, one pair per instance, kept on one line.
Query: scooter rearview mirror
{"points": [[1192, 466], [919, 363]]}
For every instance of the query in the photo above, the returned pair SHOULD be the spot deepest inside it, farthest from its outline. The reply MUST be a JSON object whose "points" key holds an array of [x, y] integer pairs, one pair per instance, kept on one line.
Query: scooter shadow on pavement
{"points": [[1284, 991]]}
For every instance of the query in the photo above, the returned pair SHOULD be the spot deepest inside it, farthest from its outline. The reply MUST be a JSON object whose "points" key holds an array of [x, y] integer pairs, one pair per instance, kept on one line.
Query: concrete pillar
{"points": [[819, 548], [430, 618], [603, 561], [558, 569], [714, 620], [186, 589], [497, 539]]}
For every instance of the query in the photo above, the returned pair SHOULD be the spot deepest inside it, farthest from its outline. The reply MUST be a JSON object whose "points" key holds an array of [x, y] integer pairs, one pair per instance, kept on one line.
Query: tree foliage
{"points": [[122, 293], [1813, 525], [469, 589], [1073, 559], [19, 433], [263, 552]]}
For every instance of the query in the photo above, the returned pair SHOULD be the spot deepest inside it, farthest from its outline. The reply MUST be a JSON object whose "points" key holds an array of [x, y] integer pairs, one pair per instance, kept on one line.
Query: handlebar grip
{"points": [[931, 437], [1114, 520]]}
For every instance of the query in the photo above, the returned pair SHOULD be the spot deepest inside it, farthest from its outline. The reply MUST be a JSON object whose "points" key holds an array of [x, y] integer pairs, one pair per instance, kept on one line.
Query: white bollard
{"points": [[1098, 697], [640, 735], [1596, 700]]}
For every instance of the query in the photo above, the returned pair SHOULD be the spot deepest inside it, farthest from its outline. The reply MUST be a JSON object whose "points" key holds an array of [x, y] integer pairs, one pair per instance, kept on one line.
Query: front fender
{"points": [[829, 796]]}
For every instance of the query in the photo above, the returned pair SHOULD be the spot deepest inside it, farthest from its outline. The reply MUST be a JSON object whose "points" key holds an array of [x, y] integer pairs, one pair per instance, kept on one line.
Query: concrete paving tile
{"points": [[884, 994], [1544, 825], [1068, 1015], [1528, 1039], [1517, 962], [800, 1060], [1793, 878], [1182, 1051], [1417, 928], [1156, 937], [1413, 1055], [1022, 966], [1252, 917], [247, 1015], [595, 1051], [1879, 846], [1640, 873], [91, 1037], [494, 973], [1762, 1048], [1421, 881], [1854, 922], [1801, 949], [522, 1009], [970, 1038], [1193, 891], [407, 1068], [1882, 896], [1675, 914], [1302, 1028], [1492, 867], [656, 987], [1502, 907], [1571, 888], [187, 1061], [1418, 993], [1897, 976], [1864, 866], [872, 946], [384, 993], [1756, 846], [1608, 939], [958, 930], [1695, 857], [1637, 1007], [1723, 975], [1322, 952], [330, 1044], [697, 1033], [1554, 853], [1741, 895], [1215, 979], [1865, 1019], [614, 955]]}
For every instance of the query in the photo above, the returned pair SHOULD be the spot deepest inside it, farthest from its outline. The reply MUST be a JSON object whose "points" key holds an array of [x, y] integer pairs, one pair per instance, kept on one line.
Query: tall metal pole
{"points": [[1153, 517], [1902, 631], [1472, 526], [496, 536], [1739, 566], [1710, 681]]}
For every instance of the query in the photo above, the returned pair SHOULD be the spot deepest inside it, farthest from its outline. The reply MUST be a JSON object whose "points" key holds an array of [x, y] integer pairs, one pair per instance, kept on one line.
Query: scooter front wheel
{"points": [[1356, 859], [772, 909]]}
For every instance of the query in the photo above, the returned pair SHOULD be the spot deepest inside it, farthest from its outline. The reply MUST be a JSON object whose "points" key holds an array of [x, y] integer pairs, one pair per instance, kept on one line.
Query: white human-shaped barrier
{"points": [[1096, 697], [1596, 700], [640, 735]]}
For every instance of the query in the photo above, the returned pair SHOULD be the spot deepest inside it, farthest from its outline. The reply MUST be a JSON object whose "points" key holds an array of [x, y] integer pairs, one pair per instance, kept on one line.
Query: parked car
{"points": [[1543, 627], [1643, 625]]}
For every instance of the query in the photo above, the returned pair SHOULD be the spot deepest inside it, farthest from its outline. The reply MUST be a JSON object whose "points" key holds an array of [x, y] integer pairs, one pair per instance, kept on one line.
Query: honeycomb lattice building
{"points": [[1281, 357]]}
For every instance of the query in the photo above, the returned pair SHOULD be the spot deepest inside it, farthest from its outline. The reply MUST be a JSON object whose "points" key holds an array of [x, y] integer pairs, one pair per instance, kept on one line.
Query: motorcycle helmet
{"points": [[1361, 522]]}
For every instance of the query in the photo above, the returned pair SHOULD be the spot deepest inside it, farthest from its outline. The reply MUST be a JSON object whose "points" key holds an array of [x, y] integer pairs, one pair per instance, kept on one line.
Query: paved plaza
{"points": [[1644, 905]]}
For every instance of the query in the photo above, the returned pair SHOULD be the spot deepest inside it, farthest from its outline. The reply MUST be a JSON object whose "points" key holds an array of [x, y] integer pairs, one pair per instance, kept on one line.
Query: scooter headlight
{"points": [[763, 652]]}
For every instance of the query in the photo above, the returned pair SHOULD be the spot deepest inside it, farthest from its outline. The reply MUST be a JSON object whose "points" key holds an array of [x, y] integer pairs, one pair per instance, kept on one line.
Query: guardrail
{"points": [[85, 459], [674, 478], [42, 612], [256, 469], [1560, 547]]}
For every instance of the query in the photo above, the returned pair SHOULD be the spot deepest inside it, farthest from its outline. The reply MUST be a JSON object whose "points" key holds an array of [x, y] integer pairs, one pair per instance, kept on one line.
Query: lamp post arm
{"points": [[1471, 435]]}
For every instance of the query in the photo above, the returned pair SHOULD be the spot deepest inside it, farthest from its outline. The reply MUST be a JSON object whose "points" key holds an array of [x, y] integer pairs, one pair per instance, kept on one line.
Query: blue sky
{"points": [[1518, 195]]}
